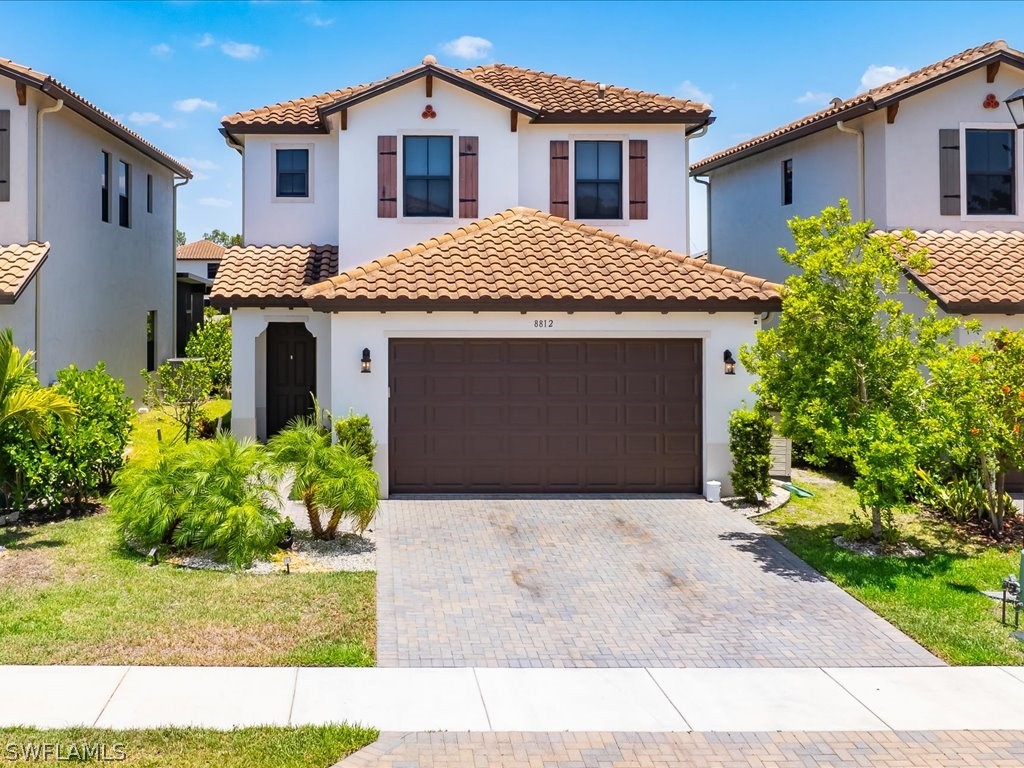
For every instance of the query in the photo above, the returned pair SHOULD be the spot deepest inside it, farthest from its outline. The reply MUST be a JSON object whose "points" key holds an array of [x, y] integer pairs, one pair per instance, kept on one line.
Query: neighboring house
{"points": [[463, 255], [196, 265], [935, 151], [86, 232]]}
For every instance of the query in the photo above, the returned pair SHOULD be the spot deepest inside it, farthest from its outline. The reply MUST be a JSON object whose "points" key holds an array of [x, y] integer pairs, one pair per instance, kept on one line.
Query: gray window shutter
{"points": [[5, 155], [949, 171]]}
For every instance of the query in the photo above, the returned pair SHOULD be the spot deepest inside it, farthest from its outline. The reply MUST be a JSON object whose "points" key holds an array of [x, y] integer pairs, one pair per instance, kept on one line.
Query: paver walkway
{"points": [[707, 750], [609, 582]]}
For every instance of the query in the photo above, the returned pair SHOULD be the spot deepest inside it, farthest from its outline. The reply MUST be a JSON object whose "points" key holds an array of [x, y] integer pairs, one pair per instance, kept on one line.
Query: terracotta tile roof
{"points": [[200, 250], [525, 257], [57, 90], [540, 95], [974, 272], [18, 264], [271, 275], [866, 102]]}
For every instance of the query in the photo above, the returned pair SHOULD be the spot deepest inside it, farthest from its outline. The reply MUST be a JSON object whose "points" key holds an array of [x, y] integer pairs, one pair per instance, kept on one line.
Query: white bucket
{"points": [[713, 491]]}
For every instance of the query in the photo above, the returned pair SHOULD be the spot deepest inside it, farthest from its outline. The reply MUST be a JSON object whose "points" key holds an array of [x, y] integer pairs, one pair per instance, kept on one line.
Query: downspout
{"points": [[40, 114], [686, 141], [706, 181], [841, 125], [174, 268]]}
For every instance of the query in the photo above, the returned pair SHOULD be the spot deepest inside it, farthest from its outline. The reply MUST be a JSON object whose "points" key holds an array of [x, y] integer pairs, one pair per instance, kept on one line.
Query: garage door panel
{"points": [[558, 415]]}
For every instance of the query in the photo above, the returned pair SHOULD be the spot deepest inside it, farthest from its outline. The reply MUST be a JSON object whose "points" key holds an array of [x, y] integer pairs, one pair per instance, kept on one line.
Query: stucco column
{"points": [[245, 327]]}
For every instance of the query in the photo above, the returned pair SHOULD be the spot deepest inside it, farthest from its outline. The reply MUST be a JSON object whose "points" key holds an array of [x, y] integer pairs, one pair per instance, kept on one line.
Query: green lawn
{"points": [[934, 598], [306, 747], [145, 444], [72, 593]]}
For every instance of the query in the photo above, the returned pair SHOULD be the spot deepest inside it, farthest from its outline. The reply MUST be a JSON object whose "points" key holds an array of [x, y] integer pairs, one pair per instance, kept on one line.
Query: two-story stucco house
{"points": [[465, 256], [86, 232], [935, 152], [196, 265]]}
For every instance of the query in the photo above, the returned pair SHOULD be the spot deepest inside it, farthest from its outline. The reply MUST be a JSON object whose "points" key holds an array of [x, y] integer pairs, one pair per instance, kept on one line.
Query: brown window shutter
{"points": [[469, 177], [387, 177], [638, 179], [5, 155], [949, 171], [560, 178]]}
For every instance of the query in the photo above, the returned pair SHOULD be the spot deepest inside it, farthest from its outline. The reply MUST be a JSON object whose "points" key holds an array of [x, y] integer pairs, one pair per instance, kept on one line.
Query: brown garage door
{"points": [[517, 415]]}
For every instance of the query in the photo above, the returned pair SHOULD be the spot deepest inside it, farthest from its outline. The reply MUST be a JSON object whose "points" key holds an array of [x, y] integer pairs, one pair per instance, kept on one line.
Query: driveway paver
{"points": [[609, 582], [886, 749]]}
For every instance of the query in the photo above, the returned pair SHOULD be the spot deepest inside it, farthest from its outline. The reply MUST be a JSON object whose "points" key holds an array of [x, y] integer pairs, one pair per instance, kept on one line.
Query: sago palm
{"points": [[22, 401]]}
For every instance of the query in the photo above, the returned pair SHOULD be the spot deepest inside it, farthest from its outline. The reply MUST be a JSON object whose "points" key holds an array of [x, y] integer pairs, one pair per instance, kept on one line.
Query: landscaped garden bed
{"points": [[266, 747], [935, 598]]}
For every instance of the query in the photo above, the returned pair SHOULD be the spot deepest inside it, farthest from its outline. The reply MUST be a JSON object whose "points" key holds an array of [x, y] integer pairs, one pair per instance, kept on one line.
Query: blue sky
{"points": [[171, 69]]}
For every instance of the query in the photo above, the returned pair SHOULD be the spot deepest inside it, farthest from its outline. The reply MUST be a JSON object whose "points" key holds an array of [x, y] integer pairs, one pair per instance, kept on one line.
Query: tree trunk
{"points": [[332, 525], [314, 516], [1000, 508], [876, 523], [989, 482]]}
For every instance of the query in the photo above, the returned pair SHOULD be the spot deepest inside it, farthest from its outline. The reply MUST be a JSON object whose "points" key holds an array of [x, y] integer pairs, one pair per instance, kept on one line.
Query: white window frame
{"points": [[623, 139], [1018, 172], [309, 173], [454, 218]]}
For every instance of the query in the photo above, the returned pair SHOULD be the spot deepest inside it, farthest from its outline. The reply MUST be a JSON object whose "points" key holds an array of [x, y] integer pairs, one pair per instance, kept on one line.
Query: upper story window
{"points": [[124, 187], [105, 186], [149, 193], [427, 176], [292, 172], [990, 177], [787, 182], [598, 179]]}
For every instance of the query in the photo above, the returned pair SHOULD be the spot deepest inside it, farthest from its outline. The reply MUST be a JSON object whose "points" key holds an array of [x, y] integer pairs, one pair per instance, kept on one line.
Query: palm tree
{"points": [[328, 478], [22, 401]]}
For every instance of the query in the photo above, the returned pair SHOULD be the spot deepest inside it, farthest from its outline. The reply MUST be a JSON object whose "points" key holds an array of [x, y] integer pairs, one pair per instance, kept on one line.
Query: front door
{"points": [[291, 373]]}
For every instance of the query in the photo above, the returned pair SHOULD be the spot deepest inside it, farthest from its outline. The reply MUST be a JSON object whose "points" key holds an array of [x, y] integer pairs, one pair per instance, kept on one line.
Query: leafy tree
{"points": [[179, 237], [218, 494], [844, 365], [221, 237], [211, 341], [330, 479], [182, 388], [978, 408]]}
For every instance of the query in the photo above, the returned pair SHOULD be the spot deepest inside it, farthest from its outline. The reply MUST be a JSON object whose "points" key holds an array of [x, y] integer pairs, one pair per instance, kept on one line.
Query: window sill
{"points": [[604, 222], [291, 200], [990, 217], [429, 219]]}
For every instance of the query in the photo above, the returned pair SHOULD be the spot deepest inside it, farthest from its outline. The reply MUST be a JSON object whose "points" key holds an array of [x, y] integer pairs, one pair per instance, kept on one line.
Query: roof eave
{"points": [[12, 298], [441, 74], [230, 129], [695, 118], [258, 302], [335, 304]]}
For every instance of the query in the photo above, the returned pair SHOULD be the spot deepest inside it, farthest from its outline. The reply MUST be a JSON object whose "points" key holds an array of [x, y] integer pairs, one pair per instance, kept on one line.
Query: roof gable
{"points": [[888, 93], [200, 250], [525, 258], [271, 275], [541, 96]]}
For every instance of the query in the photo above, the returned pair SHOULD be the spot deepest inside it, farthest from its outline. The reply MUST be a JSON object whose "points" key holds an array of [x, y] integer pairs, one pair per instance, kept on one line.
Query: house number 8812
{"points": [[543, 323]]}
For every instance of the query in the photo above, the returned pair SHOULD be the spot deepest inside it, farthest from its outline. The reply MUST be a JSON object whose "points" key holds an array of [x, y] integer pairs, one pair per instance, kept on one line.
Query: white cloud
{"points": [[814, 98], [689, 90], [149, 118], [194, 104], [318, 21], [468, 47], [244, 51], [162, 50], [215, 202], [205, 41], [201, 168], [877, 75]]}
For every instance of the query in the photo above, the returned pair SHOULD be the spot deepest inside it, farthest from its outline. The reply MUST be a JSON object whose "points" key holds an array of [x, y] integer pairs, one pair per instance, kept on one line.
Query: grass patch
{"points": [[72, 593], [144, 443], [305, 747], [934, 598]]}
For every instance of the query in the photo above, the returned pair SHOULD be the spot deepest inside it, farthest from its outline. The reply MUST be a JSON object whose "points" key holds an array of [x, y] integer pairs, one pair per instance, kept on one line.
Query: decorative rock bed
{"points": [[871, 549], [779, 498]]}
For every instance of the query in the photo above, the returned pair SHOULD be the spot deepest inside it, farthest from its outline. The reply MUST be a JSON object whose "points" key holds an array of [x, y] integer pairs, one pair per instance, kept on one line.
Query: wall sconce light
{"points": [[730, 364], [1015, 103], [364, 363]]}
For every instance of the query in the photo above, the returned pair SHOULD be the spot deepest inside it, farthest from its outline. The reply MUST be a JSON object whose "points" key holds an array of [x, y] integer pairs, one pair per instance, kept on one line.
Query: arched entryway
{"points": [[291, 373]]}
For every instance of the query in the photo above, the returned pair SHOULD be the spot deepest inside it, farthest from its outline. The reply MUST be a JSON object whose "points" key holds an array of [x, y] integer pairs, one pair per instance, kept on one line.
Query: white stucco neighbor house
{"points": [[466, 257], [86, 232], [195, 266], [936, 152]]}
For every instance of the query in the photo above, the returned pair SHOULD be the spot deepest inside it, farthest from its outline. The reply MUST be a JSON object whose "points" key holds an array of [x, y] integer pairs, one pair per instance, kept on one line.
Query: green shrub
{"points": [[357, 432], [961, 498], [750, 441], [218, 494], [212, 342], [182, 388], [207, 426]]}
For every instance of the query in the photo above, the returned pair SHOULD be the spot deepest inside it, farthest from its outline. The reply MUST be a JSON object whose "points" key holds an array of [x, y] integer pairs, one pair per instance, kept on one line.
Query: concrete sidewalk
{"points": [[531, 700]]}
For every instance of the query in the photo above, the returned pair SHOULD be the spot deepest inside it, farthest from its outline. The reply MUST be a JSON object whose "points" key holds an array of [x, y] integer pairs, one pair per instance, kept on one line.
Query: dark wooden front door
{"points": [[291, 373], [567, 415]]}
